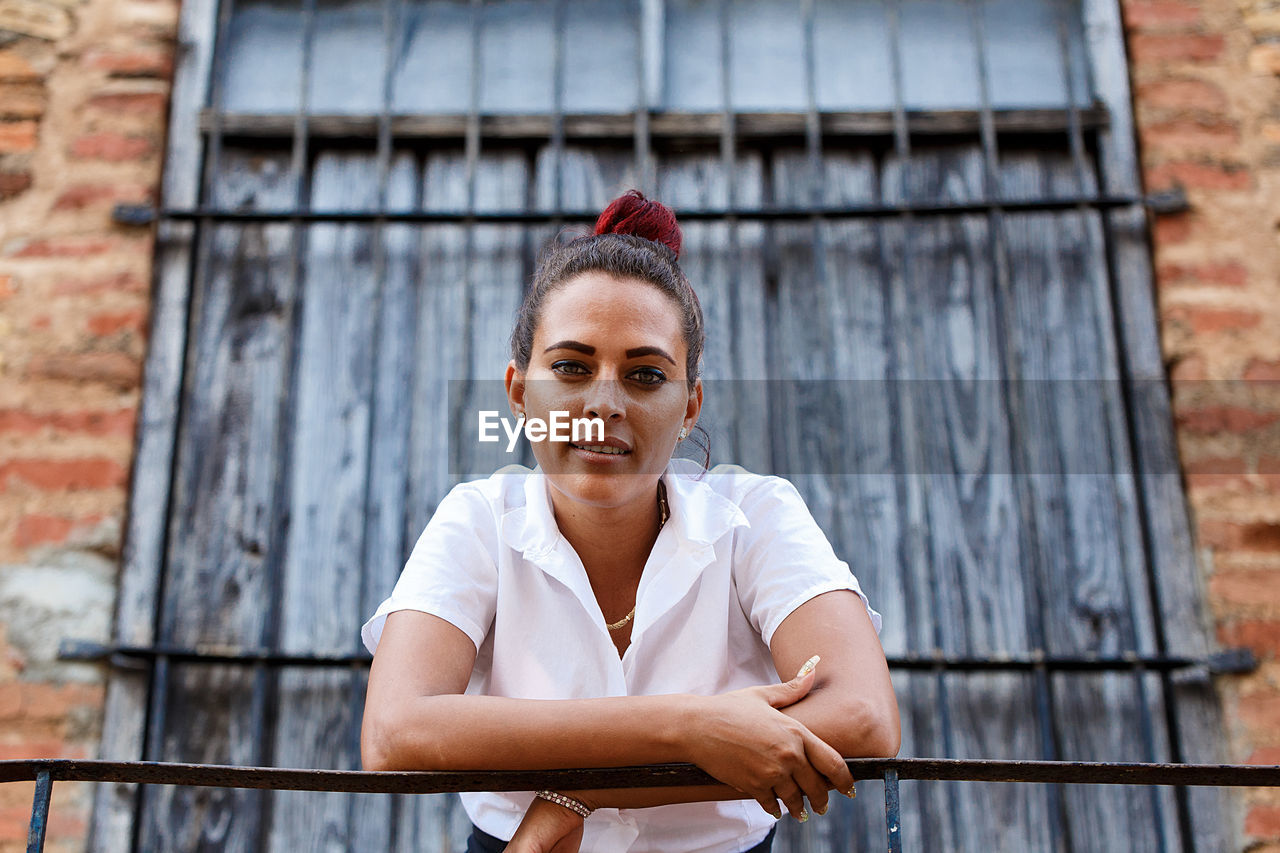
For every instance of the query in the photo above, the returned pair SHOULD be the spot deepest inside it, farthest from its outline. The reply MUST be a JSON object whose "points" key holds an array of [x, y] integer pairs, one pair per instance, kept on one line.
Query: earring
{"points": [[684, 433]]}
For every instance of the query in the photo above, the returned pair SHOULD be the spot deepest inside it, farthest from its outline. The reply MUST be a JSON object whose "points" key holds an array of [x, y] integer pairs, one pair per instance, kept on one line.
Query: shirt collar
{"points": [[698, 513]]}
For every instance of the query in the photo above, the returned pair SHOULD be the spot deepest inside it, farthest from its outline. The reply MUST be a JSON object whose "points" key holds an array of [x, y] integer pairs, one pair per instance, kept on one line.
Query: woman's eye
{"points": [[571, 368], [649, 376]]}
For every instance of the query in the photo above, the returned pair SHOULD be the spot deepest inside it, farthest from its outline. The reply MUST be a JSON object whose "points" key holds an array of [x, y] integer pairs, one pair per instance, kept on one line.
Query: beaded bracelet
{"points": [[576, 806]]}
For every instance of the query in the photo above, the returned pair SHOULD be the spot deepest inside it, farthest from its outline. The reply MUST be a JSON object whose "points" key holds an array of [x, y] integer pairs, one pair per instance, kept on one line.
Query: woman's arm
{"points": [[850, 706], [416, 717]]}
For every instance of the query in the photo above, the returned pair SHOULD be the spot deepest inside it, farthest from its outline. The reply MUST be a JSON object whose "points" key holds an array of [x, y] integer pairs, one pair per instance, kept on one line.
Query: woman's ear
{"points": [[514, 380], [694, 406]]}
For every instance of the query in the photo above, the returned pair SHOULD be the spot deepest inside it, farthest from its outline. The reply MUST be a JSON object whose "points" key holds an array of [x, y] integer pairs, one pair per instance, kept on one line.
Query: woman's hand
{"points": [[742, 739], [547, 828]]}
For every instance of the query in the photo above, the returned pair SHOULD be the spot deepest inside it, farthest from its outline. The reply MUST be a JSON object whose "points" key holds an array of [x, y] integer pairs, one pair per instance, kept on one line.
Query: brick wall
{"points": [[1206, 81], [83, 93]]}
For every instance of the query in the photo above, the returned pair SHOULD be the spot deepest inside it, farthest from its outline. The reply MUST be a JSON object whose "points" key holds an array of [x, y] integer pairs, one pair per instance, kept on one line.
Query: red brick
{"points": [[41, 529], [1206, 321], [1220, 473], [110, 322], [1261, 710], [1175, 47], [14, 67], [1269, 465], [116, 369], [17, 137], [1262, 371], [113, 147], [1171, 229], [34, 748], [130, 103], [119, 422], [137, 63], [43, 701], [22, 100], [66, 247], [1264, 755], [1239, 535], [13, 183], [1182, 94], [1159, 14], [83, 195], [65, 474], [1190, 134], [1261, 635], [1227, 273], [1263, 821], [121, 282], [1245, 588], [1193, 174], [1219, 419]]}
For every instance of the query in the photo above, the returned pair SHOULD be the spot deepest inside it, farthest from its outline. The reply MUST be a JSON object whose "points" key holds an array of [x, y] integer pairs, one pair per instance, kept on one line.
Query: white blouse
{"points": [[738, 554]]}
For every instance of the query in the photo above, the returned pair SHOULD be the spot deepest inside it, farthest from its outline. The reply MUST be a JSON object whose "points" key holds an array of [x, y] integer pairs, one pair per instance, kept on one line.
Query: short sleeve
{"points": [[784, 558], [451, 572]]}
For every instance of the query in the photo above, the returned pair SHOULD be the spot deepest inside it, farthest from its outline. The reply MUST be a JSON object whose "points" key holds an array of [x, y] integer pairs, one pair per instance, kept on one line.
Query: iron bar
{"points": [[647, 776], [768, 214], [40, 811], [892, 811], [1228, 661]]}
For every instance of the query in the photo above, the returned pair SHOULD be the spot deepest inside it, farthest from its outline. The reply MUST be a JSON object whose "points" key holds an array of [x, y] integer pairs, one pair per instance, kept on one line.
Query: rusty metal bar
{"points": [[646, 776], [1228, 661]]}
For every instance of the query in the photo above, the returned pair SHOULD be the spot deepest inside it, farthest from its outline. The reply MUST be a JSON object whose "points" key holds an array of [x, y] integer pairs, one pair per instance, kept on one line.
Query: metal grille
{"points": [[248, 199]]}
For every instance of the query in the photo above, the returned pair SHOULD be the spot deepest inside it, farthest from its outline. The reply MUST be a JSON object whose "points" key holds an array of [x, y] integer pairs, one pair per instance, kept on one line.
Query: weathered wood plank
{"points": [[329, 443], [664, 125], [124, 717], [1075, 435], [977, 542], [724, 263], [210, 720], [222, 520]]}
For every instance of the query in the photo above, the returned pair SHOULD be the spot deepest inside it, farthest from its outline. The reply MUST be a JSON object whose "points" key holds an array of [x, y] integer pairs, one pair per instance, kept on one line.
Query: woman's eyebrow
{"points": [[587, 349], [639, 351]]}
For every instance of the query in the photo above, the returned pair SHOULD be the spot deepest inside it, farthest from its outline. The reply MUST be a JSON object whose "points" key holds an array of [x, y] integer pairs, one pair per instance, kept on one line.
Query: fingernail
{"points": [[803, 816], [777, 813], [822, 810], [852, 792], [809, 666]]}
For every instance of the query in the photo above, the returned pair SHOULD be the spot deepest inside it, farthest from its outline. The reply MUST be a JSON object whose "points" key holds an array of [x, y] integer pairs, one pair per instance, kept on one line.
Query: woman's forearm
{"points": [[466, 732]]}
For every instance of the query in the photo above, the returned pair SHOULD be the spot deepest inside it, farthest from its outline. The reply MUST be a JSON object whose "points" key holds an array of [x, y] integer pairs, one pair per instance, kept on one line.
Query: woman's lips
{"points": [[600, 455]]}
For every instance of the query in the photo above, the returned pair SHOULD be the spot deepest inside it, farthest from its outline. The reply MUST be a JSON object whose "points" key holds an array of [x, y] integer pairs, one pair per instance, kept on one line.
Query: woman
{"points": [[617, 606]]}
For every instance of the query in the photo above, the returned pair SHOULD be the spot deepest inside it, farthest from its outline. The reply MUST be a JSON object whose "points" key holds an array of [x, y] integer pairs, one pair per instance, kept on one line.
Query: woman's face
{"points": [[608, 348]]}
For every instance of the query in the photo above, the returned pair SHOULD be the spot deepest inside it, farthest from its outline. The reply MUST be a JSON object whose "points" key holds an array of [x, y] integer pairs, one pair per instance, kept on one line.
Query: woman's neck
{"points": [[612, 542]]}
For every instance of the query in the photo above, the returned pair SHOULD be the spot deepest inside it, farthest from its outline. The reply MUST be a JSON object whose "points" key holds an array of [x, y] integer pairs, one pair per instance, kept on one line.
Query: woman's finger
{"points": [[793, 798], [827, 761], [814, 787]]}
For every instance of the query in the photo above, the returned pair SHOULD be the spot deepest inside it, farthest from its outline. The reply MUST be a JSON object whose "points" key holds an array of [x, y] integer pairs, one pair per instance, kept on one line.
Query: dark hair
{"points": [[634, 238]]}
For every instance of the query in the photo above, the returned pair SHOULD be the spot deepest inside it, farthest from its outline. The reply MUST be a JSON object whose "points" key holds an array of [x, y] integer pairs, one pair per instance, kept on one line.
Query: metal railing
{"points": [[47, 771]]}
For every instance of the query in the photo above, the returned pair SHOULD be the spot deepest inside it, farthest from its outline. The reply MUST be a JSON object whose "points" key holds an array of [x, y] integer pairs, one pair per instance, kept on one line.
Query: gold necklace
{"points": [[663, 514]]}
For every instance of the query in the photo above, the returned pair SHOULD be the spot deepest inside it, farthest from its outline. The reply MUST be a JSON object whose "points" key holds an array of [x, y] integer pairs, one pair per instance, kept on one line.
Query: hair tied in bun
{"points": [[632, 213]]}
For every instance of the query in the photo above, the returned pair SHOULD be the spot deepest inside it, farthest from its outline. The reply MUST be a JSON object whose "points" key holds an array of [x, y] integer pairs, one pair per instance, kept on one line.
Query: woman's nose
{"points": [[604, 400]]}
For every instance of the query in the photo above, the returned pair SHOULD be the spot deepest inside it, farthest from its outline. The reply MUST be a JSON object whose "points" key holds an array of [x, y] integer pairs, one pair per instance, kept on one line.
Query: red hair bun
{"points": [[632, 213]]}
